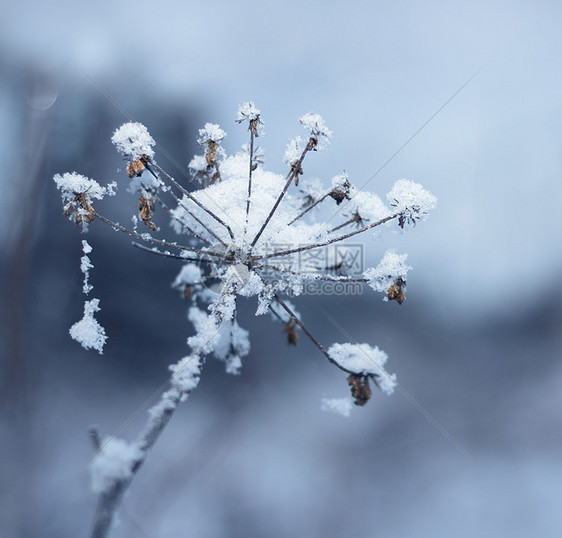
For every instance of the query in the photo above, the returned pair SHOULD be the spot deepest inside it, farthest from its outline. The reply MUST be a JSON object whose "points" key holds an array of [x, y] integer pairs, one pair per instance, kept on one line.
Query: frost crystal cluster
{"points": [[239, 230]]}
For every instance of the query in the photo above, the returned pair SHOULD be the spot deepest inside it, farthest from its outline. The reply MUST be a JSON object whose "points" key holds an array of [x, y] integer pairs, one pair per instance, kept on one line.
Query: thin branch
{"points": [[252, 129], [295, 171], [148, 239], [187, 194], [328, 242], [194, 216], [308, 208], [343, 225], [307, 332], [167, 254], [312, 276], [180, 221]]}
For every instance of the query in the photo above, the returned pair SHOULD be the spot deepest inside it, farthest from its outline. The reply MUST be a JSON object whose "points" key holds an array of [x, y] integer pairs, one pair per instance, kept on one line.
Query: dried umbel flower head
{"points": [[243, 224], [78, 193]]}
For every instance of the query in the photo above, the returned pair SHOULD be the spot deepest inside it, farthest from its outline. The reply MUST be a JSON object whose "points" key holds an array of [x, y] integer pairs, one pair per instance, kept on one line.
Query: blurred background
{"points": [[470, 447]]}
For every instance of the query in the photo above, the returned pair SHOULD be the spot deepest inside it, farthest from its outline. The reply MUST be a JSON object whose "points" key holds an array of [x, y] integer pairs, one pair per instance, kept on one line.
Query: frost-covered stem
{"points": [[250, 172], [142, 237], [159, 416], [295, 170], [311, 206], [180, 221], [167, 254], [343, 225], [329, 242], [187, 194], [110, 499], [312, 276], [307, 332]]}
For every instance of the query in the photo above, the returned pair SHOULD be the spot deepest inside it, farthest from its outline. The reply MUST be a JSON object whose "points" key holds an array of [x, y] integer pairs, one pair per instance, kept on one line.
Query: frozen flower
{"points": [[317, 127], [133, 140]]}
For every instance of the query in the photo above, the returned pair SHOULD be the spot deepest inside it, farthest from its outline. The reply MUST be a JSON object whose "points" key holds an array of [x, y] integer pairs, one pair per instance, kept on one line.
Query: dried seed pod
{"points": [[146, 208], [136, 168], [80, 208], [340, 193], [396, 291], [360, 389]]}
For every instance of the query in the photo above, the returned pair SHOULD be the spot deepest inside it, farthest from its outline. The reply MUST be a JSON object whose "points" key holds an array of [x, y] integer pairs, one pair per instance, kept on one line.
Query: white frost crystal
{"points": [[189, 274], [197, 164], [362, 359], [368, 206], [210, 133], [113, 462], [407, 195], [248, 111], [85, 266], [294, 150], [340, 182], [133, 140], [339, 406], [88, 332], [391, 268], [186, 373], [72, 184], [316, 125]]}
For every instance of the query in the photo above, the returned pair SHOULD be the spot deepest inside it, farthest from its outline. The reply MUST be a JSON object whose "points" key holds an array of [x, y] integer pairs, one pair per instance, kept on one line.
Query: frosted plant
{"points": [[245, 227]]}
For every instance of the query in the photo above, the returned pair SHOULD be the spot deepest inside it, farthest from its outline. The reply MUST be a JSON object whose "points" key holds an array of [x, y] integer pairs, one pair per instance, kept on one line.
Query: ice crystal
{"points": [[133, 140]]}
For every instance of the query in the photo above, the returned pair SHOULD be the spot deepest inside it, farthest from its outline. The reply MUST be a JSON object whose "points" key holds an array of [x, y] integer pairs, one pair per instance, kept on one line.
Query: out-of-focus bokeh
{"points": [[470, 445]]}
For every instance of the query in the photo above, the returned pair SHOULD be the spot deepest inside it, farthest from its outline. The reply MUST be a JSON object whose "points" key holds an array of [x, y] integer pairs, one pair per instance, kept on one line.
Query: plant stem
{"points": [[296, 167], [314, 204], [142, 237], [312, 276], [350, 221], [180, 221], [187, 194], [328, 242], [110, 499], [250, 172], [194, 217], [307, 332], [173, 256]]}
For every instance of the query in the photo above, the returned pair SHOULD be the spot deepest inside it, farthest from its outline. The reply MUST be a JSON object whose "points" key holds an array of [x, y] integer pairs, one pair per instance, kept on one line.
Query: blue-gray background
{"points": [[472, 449]]}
